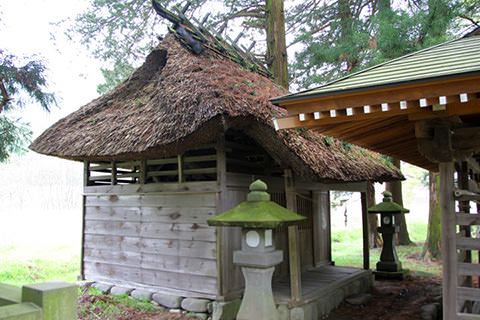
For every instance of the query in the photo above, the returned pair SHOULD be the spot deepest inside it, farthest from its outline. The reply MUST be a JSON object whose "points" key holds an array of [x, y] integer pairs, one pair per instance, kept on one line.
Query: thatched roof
{"points": [[177, 100]]}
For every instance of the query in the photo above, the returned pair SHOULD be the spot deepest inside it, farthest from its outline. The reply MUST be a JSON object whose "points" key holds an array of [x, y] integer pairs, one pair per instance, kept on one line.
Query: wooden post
{"points": [[322, 252], [293, 240], [113, 179], [449, 250], [180, 168], [366, 250], [86, 182], [86, 173], [82, 248], [142, 177], [224, 261]]}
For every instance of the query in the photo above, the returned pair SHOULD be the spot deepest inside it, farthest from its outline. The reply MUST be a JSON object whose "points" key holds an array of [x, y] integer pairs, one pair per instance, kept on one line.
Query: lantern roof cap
{"points": [[388, 206], [257, 212]]}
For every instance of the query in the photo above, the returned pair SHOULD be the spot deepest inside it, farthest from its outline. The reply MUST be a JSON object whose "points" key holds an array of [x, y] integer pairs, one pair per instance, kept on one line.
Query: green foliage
{"points": [[28, 78], [120, 71], [14, 135], [346, 36], [21, 81]]}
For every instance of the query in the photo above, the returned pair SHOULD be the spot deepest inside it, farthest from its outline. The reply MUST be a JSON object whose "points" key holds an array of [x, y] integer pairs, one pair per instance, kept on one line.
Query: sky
{"points": [[26, 29]]}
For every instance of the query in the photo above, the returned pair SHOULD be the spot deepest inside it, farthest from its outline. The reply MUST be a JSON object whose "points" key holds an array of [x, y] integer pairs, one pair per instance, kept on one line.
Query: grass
{"points": [[24, 265], [347, 251]]}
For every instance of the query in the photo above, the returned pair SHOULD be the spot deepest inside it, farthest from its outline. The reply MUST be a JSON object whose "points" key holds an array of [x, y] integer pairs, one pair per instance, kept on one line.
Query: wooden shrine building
{"points": [[179, 142], [423, 108]]}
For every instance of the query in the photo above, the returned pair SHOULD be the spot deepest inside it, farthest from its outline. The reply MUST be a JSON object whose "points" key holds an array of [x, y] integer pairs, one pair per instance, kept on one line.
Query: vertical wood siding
{"points": [[156, 237]]}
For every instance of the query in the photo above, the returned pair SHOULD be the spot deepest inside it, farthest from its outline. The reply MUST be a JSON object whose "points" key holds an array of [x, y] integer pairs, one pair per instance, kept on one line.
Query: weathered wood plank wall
{"points": [[152, 235]]}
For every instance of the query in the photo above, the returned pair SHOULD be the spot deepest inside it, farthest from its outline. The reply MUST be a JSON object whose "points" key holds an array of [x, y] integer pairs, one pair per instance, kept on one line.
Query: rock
{"points": [[120, 291], [85, 284], [225, 310], [210, 307], [297, 314], [142, 295], [476, 307], [438, 299], [103, 287], [195, 305], [283, 312], [201, 316], [167, 300], [430, 311], [437, 291], [359, 299]]}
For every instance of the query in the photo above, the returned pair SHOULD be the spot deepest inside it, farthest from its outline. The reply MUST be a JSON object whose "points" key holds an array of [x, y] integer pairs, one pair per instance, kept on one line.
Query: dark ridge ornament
{"points": [[389, 266], [197, 38]]}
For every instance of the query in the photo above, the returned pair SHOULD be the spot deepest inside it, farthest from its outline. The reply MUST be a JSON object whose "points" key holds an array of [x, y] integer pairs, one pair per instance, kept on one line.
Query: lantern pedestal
{"points": [[257, 302], [257, 258]]}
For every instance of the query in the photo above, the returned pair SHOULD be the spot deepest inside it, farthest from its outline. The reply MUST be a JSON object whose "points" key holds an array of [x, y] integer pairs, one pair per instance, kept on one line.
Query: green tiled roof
{"points": [[449, 59]]}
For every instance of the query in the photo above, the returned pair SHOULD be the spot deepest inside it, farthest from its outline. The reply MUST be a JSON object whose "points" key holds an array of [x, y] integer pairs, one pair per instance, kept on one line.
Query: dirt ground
{"points": [[392, 300]]}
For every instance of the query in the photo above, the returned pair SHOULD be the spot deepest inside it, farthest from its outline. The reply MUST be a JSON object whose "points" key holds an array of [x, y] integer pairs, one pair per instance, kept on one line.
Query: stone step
{"points": [[9, 294]]}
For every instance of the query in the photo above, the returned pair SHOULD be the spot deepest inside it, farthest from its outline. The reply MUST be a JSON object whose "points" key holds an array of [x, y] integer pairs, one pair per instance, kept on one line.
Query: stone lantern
{"points": [[258, 217], [389, 266]]}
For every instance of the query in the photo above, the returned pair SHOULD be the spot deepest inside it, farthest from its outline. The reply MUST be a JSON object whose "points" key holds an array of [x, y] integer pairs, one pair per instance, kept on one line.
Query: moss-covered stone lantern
{"points": [[389, 266], [257, 216]]}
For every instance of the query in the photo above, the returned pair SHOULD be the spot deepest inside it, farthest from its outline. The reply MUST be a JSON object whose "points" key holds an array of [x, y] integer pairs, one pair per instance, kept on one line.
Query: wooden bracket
{"points": [[434, 141]]}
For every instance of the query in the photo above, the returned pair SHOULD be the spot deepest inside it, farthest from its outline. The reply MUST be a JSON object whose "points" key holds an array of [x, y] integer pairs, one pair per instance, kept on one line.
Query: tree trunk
{"points": [[431, 248], [374, 239], [395, 187], [276, 43]]}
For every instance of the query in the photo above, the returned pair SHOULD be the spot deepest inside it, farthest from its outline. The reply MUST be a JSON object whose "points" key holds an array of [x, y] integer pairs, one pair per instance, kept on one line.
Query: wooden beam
{"points": [[413, 112], [449, 250], [411, 92], [293, 240], [340, 186], [468, 269], [467, 243], [467, 294], [467, 316], [467, 219]]}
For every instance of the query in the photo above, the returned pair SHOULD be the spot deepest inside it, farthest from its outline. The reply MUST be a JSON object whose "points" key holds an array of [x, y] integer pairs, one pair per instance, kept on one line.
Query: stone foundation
{"points": [[313, 307]]}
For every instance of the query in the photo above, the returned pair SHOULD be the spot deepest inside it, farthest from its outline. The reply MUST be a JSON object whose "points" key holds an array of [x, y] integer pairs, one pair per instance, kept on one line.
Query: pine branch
{"points": [[5, 97], [470, 19]]}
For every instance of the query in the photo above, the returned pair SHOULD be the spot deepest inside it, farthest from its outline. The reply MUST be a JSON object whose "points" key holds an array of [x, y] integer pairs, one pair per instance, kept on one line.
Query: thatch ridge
{"points": [[177, 100]]}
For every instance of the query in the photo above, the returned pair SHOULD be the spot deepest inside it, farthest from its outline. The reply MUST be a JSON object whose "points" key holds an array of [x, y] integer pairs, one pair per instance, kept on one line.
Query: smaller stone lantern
{"points": [[257, 216], [389, 266]]}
